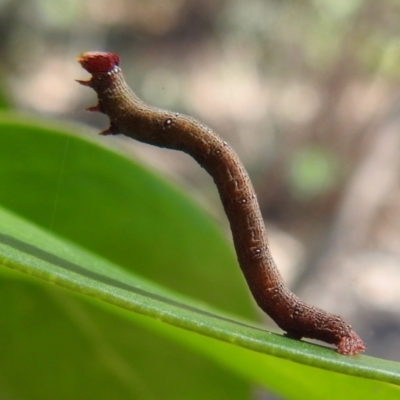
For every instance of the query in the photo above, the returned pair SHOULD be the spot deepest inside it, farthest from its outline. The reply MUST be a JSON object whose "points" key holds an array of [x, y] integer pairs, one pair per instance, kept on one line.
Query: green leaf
{"points": [[148, 250], [113, 207], [56, 345]]}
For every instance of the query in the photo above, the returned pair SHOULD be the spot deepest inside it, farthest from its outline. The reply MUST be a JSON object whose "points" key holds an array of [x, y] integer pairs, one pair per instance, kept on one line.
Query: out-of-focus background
{"points": [[306, 92]]}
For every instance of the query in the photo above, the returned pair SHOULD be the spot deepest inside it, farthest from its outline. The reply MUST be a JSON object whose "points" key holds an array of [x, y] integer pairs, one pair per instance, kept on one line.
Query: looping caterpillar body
{"points": [[132, 117]]}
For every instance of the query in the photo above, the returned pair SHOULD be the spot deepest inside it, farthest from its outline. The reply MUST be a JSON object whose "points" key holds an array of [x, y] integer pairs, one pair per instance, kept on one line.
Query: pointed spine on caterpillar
{"points": [[99, 64]]}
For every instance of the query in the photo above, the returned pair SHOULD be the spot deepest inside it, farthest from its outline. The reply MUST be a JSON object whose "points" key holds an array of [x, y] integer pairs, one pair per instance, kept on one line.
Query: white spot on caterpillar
{"points": [[167, 123]]}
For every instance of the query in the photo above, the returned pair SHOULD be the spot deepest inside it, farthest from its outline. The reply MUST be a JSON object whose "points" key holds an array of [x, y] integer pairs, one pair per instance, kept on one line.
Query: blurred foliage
{"points": [[313, 171], [4, 104]]}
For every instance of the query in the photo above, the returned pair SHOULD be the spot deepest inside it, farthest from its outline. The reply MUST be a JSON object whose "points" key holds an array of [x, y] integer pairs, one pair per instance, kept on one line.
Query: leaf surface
{"points": [[143, 247]]}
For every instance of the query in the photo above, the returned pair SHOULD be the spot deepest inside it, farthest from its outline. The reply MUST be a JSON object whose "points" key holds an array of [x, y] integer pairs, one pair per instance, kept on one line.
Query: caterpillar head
{"points": [[96, 62]]}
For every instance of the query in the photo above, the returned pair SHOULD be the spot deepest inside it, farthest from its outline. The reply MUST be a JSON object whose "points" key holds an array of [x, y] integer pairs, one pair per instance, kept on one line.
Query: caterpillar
{"points": [[132, 117]]}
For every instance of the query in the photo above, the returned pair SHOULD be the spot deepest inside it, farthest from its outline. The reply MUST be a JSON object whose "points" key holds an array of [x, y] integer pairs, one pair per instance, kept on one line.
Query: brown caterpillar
{"points": [[132, 117]]}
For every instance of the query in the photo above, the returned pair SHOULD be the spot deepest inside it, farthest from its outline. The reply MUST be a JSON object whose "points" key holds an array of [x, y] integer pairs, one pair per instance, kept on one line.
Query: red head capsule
{"points": [[97, 62]]}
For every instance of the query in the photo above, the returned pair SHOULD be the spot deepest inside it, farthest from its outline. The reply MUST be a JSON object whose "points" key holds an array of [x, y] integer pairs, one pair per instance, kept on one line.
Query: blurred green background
{"points": [[306, 92]]}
